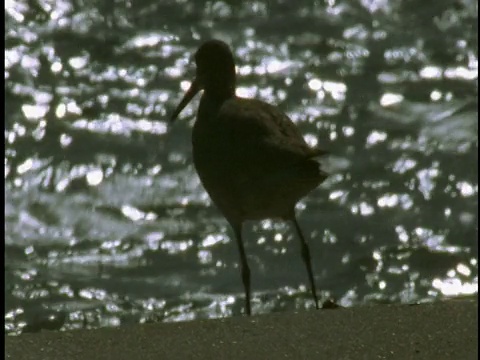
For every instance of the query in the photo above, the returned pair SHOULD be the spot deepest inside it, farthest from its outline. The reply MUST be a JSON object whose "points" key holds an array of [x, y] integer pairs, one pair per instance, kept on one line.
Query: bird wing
{"points": [[265, 141]]}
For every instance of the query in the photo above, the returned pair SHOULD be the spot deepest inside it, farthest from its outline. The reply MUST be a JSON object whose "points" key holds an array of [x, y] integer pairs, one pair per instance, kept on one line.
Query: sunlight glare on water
{"points": [[107, 222]]}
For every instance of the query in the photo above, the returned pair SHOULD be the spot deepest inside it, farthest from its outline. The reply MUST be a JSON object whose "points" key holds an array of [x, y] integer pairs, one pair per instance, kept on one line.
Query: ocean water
{"points": [[106, 222]]}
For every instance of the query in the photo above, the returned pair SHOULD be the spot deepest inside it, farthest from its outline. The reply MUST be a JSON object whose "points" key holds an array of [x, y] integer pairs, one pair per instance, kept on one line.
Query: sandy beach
{"points": [[443, 330]]}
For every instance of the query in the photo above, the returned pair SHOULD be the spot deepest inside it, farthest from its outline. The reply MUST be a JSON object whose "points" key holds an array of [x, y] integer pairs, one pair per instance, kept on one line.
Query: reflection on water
{"points": [[106, 221]]}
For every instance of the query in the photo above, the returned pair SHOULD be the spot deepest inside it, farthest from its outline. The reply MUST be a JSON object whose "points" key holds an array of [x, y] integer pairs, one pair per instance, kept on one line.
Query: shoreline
{"points": [[441, 330]]}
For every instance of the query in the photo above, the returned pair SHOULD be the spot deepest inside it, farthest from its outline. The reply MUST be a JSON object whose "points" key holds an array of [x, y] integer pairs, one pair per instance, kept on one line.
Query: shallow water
{"points": [[106, 222]]}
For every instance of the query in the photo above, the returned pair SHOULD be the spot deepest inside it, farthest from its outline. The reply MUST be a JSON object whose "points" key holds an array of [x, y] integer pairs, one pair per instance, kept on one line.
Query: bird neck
{"points": [[211, 102], [220, 90]]}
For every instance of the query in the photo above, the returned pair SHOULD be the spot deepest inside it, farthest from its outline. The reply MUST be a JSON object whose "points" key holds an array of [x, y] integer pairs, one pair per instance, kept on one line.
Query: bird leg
{"points": [[237, 228], [307, 260]]}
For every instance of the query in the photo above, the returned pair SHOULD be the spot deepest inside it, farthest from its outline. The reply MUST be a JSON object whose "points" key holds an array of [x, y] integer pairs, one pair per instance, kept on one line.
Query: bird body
{"points": [[250, 157], [250, 154]]}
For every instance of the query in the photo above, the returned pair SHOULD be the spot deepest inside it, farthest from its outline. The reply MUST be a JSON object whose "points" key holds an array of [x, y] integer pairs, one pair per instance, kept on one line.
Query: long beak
{"points": [[192, 91]]}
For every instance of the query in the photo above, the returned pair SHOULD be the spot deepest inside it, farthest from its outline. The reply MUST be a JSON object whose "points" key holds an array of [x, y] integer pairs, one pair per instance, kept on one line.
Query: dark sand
{"points": [[444, 330]]}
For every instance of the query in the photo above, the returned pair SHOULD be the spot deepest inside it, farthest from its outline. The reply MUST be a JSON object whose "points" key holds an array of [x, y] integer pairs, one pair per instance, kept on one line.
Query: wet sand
{"points": [[443, 330]]}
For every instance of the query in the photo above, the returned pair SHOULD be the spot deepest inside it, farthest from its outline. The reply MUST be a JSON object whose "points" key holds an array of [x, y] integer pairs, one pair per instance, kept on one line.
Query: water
{"points": [[106, 223]]}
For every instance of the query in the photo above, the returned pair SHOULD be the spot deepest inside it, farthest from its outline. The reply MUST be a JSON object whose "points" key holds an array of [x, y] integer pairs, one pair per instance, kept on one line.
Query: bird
{"points": [[249, 155]]}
